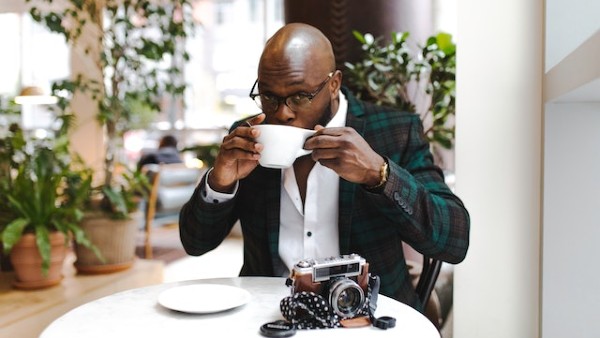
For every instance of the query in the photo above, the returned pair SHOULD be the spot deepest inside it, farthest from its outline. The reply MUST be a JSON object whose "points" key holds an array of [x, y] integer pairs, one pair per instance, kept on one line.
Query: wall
{"points": [[568, 24], [570, 299], [498, 166], [571, 221], [528, 135]]}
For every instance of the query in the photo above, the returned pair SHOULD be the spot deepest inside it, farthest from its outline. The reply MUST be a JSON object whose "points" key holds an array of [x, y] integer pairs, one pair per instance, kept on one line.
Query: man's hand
{"points": [[238, 156], [344, 151]]}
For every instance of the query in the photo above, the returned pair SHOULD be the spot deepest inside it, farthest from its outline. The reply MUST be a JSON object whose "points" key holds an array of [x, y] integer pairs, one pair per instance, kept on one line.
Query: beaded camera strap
{"points": [[308, 310]]}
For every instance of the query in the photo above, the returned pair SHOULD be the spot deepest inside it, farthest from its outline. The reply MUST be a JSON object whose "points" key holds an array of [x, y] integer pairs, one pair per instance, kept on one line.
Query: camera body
{"points": [[342, 280]]}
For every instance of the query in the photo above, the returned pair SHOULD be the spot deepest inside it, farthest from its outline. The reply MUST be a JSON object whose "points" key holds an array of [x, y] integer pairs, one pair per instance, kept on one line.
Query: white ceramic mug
{"points": [[282, 144]]}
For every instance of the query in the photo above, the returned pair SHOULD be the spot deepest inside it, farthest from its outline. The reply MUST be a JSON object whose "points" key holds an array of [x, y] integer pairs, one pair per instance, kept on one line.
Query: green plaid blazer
{"points": [[416, 207]]}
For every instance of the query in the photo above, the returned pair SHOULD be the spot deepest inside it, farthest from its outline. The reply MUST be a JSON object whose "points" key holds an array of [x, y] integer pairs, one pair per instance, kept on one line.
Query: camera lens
{"points": [[346, 297]]}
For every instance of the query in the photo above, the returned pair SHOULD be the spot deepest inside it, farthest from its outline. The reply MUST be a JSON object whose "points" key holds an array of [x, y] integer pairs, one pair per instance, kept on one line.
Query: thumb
{"points": [[257, 119]]}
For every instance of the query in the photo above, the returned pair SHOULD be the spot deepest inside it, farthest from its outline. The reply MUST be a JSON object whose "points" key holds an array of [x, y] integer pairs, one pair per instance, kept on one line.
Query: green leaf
{"points": [[42, 239], [80, 238], [117, 202], [359, 37], [444, 41], [13, 232]]}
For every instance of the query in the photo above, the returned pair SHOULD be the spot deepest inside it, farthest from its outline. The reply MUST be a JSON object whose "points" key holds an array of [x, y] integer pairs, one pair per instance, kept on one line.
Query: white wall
{"points": [[498, 166], [571, 221], [530, 271], [568, 24]]}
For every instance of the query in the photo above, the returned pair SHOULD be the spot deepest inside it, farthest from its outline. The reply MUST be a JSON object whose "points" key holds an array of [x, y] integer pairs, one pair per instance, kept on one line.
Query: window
{"points": [[36, 57], [224, 51]]}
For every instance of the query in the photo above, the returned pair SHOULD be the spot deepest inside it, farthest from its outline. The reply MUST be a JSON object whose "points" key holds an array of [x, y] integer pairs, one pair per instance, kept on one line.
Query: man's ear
{"points": [[336, 84]]}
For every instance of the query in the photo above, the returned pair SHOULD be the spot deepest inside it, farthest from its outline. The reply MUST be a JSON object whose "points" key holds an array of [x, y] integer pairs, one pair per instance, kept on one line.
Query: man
{"points": [[368, 185], [167, 152]]}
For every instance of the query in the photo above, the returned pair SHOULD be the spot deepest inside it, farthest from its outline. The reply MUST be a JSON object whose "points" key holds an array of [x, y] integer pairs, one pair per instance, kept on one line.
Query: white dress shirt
{"points": [[310, 231]]}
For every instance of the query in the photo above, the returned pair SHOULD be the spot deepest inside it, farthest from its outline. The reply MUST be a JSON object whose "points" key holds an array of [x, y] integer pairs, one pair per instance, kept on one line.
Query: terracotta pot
{"points": [[116, 240], [27, 262]]}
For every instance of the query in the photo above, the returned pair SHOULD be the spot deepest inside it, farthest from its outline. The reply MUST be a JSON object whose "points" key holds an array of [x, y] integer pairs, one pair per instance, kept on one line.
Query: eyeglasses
{"points": [[297, 102]]}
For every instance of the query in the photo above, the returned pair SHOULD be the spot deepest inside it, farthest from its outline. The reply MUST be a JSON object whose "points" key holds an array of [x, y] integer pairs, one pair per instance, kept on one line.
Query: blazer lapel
{"points": [[347, 189]]}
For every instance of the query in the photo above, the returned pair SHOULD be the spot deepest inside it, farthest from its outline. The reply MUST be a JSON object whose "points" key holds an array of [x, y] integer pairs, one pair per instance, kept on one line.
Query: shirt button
{"points": [[309, 234]]}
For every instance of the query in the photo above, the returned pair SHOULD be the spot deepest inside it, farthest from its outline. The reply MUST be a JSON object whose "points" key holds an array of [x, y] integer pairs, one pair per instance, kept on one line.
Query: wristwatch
{"points": [[384, 173]]}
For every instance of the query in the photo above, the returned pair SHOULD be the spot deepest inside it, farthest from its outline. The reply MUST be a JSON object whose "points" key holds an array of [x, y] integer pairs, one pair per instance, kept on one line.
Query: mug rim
{"points": [[281, 125]]}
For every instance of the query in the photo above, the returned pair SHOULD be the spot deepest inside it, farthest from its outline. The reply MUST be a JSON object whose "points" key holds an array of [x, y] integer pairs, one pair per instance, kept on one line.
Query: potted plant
{"points": [[9, 114], [422, 82], [43, 189], [111, 221], [140, 54]]}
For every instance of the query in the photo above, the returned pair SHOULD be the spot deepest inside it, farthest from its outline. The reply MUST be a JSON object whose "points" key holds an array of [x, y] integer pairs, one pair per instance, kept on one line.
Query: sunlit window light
{"points": [[40, 133]]}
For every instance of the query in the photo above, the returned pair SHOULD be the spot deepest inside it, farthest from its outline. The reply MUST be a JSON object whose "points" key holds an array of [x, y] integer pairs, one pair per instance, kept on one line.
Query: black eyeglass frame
{"points": [[279, 99]]}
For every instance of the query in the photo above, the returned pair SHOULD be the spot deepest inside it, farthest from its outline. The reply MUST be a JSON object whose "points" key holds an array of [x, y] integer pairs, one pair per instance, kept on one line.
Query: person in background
{"points": [[167, 152], [369, 184]]}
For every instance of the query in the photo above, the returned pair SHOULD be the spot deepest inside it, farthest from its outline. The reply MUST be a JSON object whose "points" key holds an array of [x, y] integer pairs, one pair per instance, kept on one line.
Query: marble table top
{"points": [[137, 313]]}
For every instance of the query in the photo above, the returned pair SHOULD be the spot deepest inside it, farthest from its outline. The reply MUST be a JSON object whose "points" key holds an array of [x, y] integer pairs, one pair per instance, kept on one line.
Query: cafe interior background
{"points": [[525, 157]]}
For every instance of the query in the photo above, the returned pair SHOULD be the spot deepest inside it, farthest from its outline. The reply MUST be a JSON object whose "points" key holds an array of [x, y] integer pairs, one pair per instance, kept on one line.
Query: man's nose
{"points": [[284, 114]]}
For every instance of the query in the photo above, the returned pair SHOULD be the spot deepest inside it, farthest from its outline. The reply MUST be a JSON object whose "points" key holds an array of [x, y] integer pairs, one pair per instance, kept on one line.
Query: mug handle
{"points": [[303, 152]]}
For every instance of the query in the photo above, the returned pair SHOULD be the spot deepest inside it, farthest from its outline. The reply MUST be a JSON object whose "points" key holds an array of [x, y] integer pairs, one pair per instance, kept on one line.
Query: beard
{"points": [[326, 116]]}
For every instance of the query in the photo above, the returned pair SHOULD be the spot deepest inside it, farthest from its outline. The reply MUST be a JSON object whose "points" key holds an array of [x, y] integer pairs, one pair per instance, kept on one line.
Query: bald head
{"points": [[299, 60], [298, 45]]}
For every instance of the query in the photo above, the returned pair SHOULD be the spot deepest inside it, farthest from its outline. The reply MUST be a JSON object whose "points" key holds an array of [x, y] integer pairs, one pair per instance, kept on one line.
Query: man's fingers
{"points": [[322, 141], [252, 121], [335, 131], [239, 143]]}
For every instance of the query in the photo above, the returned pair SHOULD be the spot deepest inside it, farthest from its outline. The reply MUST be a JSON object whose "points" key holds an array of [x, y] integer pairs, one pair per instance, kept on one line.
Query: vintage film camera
{"points": [[342, 281]]}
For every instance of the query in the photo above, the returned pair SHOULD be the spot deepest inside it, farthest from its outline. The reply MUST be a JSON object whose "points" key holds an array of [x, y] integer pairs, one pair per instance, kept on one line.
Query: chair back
{"points": [[172, 186], [429, 274]]}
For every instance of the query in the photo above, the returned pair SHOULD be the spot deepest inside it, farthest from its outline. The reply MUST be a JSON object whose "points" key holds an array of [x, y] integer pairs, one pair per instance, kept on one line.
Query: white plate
{"points": [[203, 298]]}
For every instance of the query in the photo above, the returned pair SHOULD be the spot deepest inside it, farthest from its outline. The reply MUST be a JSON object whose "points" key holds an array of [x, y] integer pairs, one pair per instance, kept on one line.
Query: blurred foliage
{"points": [[138, 48], [421, 82], [43, 188], [206, 153]]}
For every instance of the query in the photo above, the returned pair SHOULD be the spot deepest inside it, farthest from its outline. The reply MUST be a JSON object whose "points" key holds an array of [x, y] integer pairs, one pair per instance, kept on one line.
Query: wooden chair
{"points": [[172, 186]]}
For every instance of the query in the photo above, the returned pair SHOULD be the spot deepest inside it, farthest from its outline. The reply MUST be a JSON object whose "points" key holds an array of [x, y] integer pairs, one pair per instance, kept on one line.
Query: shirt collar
{"points": [[339, 119]]}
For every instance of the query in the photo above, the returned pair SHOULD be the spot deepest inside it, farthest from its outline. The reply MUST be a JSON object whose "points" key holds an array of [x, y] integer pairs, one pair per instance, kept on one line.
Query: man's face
{"points": [[296, 85]]}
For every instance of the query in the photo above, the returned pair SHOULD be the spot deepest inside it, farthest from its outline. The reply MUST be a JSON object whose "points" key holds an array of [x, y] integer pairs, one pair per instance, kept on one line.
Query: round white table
{"points": [[137, 313]]}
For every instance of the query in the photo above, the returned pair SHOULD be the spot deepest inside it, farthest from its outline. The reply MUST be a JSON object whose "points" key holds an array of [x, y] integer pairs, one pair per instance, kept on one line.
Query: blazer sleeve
{"points": [[429, 216], [202, 225]]}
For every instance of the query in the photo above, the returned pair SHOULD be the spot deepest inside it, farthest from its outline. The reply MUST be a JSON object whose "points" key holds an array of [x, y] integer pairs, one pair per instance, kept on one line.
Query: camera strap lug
{"points": [[383, 322]]}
